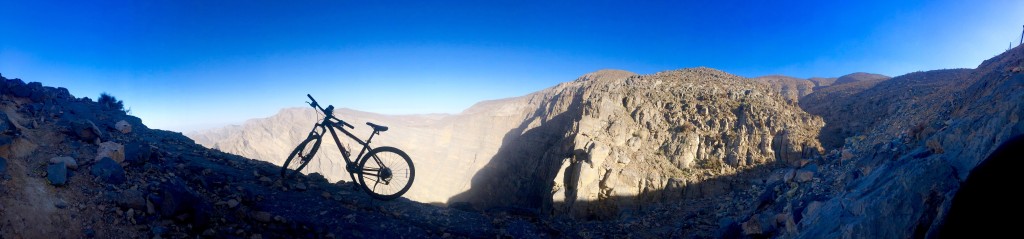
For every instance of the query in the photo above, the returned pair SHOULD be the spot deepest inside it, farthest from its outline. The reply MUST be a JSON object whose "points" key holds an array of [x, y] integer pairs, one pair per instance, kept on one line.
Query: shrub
{"points": [[110, 102]]}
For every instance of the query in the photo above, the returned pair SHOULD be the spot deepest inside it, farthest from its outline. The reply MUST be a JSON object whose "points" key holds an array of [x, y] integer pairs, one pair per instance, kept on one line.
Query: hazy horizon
{"points": [[195, 64]]}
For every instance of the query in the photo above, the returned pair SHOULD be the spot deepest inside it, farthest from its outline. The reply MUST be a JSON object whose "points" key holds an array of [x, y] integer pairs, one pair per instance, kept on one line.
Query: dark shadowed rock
{"points": [[178, 200], [86, 130], [137, 153], [108, 171], [128, 198], [3, 166], [57, 174]]}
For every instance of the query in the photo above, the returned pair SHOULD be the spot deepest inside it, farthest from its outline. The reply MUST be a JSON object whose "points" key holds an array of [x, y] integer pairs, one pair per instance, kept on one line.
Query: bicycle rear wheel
{"points": [[386, 173], [300, 157]]}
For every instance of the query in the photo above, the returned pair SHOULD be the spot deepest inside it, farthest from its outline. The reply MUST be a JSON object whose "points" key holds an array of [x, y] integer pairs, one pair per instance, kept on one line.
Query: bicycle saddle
{"points": [[376, 127]]}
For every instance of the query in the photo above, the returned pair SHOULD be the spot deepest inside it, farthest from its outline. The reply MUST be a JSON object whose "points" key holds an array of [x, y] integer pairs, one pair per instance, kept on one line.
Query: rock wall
{"points": [[600, 147]]}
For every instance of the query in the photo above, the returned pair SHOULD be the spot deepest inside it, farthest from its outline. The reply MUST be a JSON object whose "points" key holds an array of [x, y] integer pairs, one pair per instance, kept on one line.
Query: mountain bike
{"points": [[383, 172]]}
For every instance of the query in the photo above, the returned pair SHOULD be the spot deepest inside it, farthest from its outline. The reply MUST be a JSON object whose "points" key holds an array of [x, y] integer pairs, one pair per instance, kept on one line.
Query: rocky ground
{"points": [[73, 168]]}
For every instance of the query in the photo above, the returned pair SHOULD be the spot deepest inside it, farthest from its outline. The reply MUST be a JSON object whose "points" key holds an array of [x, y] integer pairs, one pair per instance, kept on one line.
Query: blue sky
{"points": [[184, 65]]}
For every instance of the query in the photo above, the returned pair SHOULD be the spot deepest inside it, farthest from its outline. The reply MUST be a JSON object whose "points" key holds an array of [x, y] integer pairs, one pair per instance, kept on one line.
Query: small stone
{"points": [[279, 218], [256, 236], [752, 226], [70, 162], [265, 179], [60, 203], [326, 195], [262, 216], [300, 186], [788, 176], [89, 232], [804, 175], [232, 203], [57, 174], [209, 233], [158, 230], [150, 208]]}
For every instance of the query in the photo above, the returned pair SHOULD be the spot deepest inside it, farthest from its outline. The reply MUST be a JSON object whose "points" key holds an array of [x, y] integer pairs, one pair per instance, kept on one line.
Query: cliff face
{"points": [[598, 147]]}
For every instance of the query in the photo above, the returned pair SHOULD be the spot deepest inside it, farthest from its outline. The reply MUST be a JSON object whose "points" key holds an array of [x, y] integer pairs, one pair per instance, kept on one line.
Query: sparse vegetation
{"points": [[110, 102]]}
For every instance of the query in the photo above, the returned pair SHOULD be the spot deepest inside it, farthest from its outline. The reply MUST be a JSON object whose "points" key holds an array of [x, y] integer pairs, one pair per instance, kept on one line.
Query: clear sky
{"points": [[184, 65]]}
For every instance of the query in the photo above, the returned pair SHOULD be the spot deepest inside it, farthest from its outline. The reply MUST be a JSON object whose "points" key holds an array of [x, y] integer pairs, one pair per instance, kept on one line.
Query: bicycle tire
{"points": [[398, 179], [286, 172]]}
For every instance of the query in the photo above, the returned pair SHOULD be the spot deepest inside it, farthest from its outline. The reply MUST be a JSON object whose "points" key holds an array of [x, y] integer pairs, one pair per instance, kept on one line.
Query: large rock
{"points": [[138, 152], [57, 174], [123, 126], [108, 171], [175, 199], [110, 150], [86, 131]]}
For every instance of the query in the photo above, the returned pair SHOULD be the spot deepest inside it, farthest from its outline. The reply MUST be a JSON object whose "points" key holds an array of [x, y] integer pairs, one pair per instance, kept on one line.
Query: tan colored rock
{"points": [[112, 150], [123, 126]]}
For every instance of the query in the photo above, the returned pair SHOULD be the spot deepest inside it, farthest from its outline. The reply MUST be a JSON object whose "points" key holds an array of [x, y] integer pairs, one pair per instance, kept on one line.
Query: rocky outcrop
{"points": [[859, 77], [598, 147], [791, 88]]}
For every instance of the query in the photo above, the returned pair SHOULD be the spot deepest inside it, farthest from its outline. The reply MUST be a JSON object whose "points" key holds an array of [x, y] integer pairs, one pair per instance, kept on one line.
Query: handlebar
{"points": [[329, 111]]}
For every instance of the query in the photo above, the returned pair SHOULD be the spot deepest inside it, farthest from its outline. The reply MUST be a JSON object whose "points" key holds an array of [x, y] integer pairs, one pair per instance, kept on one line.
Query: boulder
{"points": [[19, 89], [6, 125], [57, 174], [804, 175], [86, 131], [108, 171], [70, 162], [137, 152], [123, 126], [133, 199], [110, 150], [176, 198]]}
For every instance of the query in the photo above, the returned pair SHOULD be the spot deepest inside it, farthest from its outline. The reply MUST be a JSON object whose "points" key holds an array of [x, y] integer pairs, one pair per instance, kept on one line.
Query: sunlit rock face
{"points": [[601, 145]]}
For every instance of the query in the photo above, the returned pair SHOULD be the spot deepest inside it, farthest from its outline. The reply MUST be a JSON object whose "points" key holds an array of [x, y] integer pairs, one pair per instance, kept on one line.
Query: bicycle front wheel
{"points": [[386, 173], [300, 157]]}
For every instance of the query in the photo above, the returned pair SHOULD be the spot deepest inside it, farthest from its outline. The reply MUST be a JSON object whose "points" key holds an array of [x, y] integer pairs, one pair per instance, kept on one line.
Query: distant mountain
{"points": [[859, 77]]}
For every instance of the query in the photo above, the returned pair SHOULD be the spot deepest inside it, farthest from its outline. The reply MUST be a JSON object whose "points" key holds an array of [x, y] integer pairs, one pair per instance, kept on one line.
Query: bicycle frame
{"points": [[329, 125]]}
